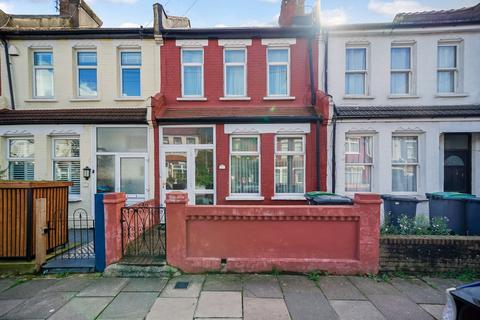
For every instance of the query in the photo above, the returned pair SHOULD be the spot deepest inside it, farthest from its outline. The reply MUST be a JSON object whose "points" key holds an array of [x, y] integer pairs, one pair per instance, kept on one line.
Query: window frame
{"points": [[234, 64], [409, 71], [68, 159], [35, 68], [26, 159], [371, 164], [416, 164], [455, 70], [122, 67], [192, 64], [364, 72], [289, 153], [288, 63], [79, 67], [245, 153]]}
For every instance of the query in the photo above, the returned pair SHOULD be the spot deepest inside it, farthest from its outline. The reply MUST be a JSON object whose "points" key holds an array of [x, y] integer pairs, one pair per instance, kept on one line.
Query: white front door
{"points": [[132, 177]]}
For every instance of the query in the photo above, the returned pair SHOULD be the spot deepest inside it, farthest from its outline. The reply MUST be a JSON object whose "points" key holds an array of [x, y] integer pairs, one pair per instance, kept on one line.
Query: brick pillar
{"points": [[113, 202], [176, 203]]}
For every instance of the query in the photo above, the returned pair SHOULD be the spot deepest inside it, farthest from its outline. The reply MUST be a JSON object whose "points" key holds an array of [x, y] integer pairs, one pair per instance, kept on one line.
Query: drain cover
{"points": [[181, 285]]}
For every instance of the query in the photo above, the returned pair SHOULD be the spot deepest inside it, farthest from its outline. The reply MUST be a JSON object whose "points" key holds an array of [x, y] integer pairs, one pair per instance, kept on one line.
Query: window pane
{"points": [[43, 82], [87, 58], [122, 139], [131, 82], [289, 174], [447, 56], [190, 135], [131, 59], [400, 58], [355, 83], [399, 83], [176, 168], [358, 178], [235, 56], [204, 169], [277, 84], [446, 81], [68, 171], [235, 80], [204, 199], [404, 150], [21, 148], [356, 59], [21, 170], [42, 58], [358, 150], [192, 79], [292, 144], [244, 174], [132, 175], [404, 178], [192, 56], [66, 148], [105, 173], [245, 144], [87, 81], [278, 55]]}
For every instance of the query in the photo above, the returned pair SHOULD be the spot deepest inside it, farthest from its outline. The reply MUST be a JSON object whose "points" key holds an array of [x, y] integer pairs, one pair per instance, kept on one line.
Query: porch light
{"points": [[87, 172]]}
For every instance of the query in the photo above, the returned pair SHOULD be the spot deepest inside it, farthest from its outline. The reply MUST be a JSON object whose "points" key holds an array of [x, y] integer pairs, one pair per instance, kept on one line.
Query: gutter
{"points": [[9, 72], [260, 119]]}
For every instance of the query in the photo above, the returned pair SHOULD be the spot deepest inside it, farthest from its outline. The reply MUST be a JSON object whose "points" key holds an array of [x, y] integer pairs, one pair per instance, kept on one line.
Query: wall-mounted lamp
{"points": [[87, 172]]}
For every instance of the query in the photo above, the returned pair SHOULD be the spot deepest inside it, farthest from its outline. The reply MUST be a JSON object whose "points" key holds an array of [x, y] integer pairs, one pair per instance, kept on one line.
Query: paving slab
{"points": [[72, 284], [265, 308], [261, 286], [419, 291], [40, 306], [104, 287], [398, 307], [223, 282], [6, 283], [27, 289], [173, 309], [84, 308], [218, 304], [145, 285], [192, 291], [442, 284], [7, 305], [339, 288], [356, 310], [435, 310], [129, 305], [371, 286]]}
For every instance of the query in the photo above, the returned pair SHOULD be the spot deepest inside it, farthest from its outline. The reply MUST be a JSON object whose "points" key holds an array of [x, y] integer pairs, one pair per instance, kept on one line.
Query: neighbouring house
{"points": [[239, 116], [407, 104]]}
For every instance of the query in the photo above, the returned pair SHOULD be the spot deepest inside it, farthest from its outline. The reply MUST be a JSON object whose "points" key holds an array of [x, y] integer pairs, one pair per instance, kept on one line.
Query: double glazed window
{"points": [[235, 72], [43, 74], [404, 163], [87, 74], [20, 159], [130, 64], [278, 71], [290, 165], [192, 73], [245, 165], [401, 70], [447, 68], [66, 162], [358, 163], [356, 71]]}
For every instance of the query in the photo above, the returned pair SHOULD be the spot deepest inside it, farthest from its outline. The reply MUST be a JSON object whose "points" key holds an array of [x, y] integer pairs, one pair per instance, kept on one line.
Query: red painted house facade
{"points": [[238, 117]]}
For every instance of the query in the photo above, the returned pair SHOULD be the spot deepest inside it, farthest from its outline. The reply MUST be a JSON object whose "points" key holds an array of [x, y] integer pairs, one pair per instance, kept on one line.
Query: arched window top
{"points": [[454, 161]]}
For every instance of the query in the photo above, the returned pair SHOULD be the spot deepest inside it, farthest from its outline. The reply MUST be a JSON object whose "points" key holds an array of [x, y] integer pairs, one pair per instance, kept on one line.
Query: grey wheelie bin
{"points": [[472, 216], [396, 206]]}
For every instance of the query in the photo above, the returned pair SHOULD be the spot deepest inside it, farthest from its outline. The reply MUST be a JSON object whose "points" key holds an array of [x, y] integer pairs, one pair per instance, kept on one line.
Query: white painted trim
{"points": [[260, 128], [191, 43], [279, 41], [234, 43], [245, 198], [234, 98], [278, 98], [288, 197], [51, 130]]}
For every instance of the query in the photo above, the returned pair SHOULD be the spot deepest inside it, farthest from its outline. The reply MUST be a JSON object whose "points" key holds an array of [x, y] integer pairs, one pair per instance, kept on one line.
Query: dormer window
{"points": [[192, 72]]}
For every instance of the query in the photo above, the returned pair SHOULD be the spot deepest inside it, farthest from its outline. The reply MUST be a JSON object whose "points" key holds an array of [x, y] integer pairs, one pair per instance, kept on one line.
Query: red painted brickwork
{"points": [[337, 239], [113, 202]]}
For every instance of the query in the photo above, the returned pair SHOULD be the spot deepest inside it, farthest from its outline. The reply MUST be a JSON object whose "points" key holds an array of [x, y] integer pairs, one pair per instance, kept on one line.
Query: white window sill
{"points": [[288, 197], [279, 98], [235, 98], [41, 100], [244, 198], [84, 100], [74, 199], [403, 96], [358, 97], [129, 99], [451, 95], [191, 99]]}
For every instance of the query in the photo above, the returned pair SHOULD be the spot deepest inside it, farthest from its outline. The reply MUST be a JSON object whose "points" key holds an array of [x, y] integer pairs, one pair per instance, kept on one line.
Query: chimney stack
{"points": [[289, 10]]}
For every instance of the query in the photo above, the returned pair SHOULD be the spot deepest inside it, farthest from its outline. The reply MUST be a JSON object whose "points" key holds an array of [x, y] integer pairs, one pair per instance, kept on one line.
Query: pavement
{"points": [[223, 296]]}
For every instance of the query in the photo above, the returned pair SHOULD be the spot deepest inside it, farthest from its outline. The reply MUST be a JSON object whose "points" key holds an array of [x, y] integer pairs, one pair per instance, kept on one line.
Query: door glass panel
{"points": [[204, 169], [105, 173], [132, 175], [456, 142], [204, 199], [176, 170]]}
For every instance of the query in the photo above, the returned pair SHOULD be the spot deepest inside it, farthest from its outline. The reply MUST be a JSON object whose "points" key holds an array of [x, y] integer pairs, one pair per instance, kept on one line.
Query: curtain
{"points": [[447, 56], [356, 59], [404, 178], [244, 174], [399, 83], [358, 178], [235, 80], [400, 58], [192, 81], [289, 174], [446, 81], [277, 79], [131, 58], [355, 83]]}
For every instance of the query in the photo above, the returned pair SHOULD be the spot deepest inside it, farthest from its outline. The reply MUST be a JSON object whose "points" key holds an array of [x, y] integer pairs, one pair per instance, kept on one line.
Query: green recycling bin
{"points": [[312, 194]]}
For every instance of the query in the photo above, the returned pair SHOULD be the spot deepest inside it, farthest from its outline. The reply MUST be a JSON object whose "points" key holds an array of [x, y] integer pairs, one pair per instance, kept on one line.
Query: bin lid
{"points": [[318, 193], [394, 197], [469, 293], [473, 200], [449, 195]]}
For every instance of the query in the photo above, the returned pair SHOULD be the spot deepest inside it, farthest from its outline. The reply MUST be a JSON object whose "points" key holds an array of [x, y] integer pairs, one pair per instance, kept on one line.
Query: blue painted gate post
{"points": [[99, 233]]}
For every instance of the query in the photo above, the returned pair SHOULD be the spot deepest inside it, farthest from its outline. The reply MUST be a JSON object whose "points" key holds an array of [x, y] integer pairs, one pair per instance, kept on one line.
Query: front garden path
{"points": [[228, 296]]}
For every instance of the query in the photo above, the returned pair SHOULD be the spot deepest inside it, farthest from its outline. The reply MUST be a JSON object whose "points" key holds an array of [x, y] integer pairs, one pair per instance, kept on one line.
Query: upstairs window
{"points": [[192, 72], [235, 75], [43, 74], [20, 159], [290, 165], [245, 165], [66, 163], [447, 68], [130, 65], [401, 70], [278, 71], [404, 163], [356, 71], [87, 74]]}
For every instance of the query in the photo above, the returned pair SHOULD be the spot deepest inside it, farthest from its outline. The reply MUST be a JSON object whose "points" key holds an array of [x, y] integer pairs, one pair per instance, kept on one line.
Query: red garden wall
{"points": [[337, 239]]}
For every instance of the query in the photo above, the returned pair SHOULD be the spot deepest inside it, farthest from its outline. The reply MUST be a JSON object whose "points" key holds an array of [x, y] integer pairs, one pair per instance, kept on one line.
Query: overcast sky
{"points": [[219, 13]]}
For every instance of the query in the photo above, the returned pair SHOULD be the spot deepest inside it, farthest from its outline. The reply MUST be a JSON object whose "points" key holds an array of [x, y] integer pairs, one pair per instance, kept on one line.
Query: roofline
{"points": [[391, 25], [256, 119], [244, 32], [80, 33], [340, 117], [70, 121]]}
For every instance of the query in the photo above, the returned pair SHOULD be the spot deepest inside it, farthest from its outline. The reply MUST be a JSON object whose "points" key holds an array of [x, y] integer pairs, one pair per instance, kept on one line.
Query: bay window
{"points": [[20, 158], [290, 165], [87, 74], [404, 163], [192, 72], [278, 60], [356, 71], [235, 72], [358, 163], [66, 162], [400, 70], [130, 64], [43, 74], [447, 68], [244, 165]]}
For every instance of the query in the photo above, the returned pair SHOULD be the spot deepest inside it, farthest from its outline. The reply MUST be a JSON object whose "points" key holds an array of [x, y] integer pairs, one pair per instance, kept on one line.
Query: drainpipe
{"points": [[9, 72], [313, 102], [334, 138]]}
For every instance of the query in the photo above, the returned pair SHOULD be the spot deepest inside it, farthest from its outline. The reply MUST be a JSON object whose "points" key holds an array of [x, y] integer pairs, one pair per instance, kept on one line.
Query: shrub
{"points": [[416, 226]]}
